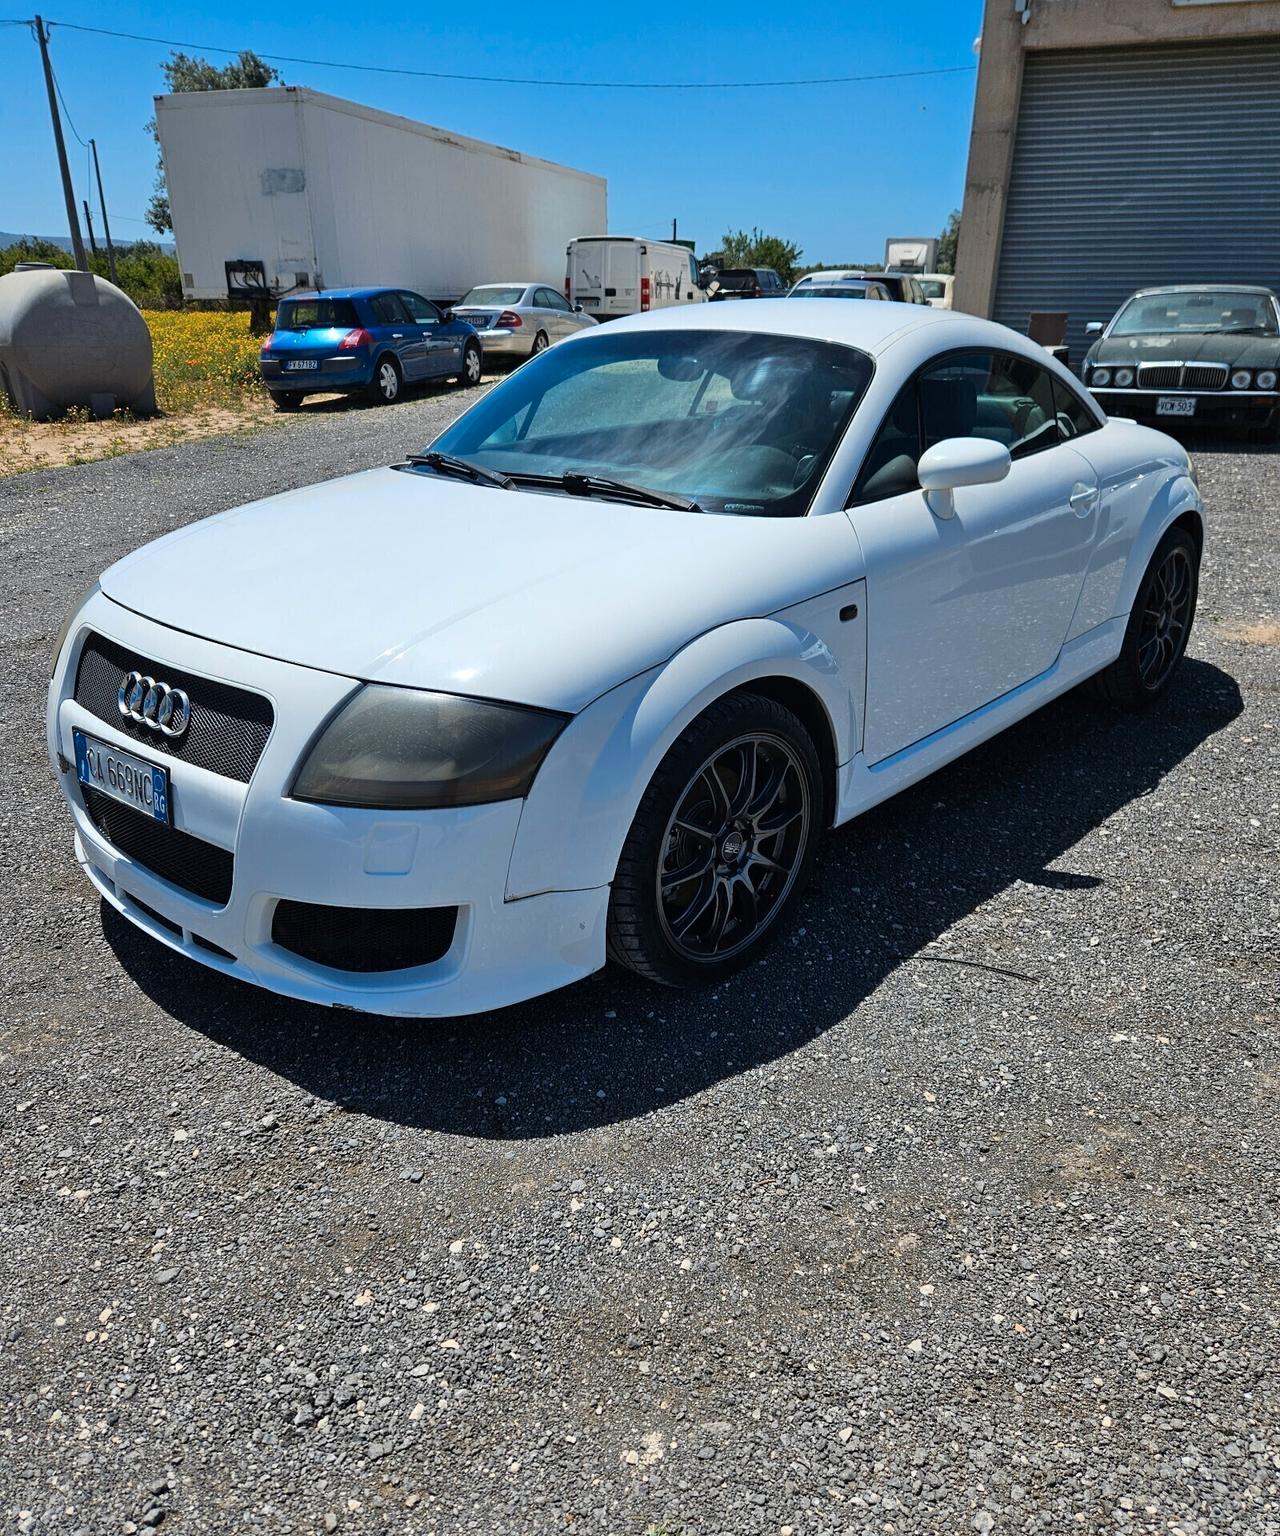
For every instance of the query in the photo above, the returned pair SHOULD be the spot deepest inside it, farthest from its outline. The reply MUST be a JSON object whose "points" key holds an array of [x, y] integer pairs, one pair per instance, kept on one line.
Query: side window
{"points": [[890, 466], [388, 310], [1002, 398], [421, 311], [549, 299], [1074, 416]]}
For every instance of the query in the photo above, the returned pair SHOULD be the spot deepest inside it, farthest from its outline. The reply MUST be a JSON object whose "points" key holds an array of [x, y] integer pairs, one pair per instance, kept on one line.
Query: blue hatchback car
{"points": [[370, 341]]}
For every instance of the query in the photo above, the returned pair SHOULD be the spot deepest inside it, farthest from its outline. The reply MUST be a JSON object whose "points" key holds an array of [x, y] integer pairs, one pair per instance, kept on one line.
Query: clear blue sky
{"points": [[835, 168]]}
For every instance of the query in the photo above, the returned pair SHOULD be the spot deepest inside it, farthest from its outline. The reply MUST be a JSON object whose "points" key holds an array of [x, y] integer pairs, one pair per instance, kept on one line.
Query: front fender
{"points": [[577, 815]]}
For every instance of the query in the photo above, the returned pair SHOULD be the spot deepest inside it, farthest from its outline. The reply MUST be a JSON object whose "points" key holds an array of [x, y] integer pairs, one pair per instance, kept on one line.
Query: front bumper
{"points": [[1217, 408], [503, 951]]}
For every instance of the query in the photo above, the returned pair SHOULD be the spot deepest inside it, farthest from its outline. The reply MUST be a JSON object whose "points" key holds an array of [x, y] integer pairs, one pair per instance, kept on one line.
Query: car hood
{"points": [[1187, 347], [397, 577]]}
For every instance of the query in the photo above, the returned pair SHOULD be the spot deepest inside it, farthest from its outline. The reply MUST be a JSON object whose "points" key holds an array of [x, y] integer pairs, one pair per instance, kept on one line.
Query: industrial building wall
{"points": [[1140, 166]]}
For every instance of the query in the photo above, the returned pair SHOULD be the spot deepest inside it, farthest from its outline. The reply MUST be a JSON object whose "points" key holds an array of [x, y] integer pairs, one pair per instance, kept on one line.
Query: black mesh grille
{"points": [[363, 938], [177, 857], [229, 726]]}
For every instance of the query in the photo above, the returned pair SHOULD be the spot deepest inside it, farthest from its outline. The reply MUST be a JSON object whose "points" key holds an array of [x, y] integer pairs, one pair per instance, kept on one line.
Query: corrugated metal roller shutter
{"points": [[1140, 166]]}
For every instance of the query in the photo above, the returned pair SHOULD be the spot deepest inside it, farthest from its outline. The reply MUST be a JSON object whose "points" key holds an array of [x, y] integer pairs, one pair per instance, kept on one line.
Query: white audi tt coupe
{"points": [[588, 677]]}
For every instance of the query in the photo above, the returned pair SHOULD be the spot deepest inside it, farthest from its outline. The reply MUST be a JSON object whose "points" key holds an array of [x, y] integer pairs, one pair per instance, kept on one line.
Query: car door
{"points": [[393, 329], [961, 610], [437, 345], [561, 315]]}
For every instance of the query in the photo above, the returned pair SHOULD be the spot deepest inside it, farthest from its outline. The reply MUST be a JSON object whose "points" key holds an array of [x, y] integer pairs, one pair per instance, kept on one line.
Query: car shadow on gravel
{"points": [[612, 1047]]}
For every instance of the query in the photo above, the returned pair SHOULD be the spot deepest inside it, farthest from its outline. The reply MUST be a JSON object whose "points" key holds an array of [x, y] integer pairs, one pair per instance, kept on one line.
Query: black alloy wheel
{"points": [[721, 844]]}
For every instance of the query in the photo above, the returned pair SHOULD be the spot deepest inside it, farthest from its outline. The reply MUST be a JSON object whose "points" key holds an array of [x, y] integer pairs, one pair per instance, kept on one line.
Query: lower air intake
{"points": [[364, 939]]}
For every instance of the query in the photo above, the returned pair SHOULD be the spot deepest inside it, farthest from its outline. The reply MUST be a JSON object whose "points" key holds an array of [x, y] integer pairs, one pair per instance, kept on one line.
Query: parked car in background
{"points": [[590, 675], [867, 288], [746, 283], [937, 288], [370, 341], [902, 287], [516, 320], [1196, 352], [615, 275]]}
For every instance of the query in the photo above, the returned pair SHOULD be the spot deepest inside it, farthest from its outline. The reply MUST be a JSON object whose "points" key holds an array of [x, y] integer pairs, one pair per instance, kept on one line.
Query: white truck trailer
{"points": [[288, 188], [614, 275]]}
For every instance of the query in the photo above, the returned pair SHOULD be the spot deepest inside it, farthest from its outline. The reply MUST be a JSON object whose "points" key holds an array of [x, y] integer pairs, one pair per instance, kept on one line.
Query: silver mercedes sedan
{"points": [[516, 320]]}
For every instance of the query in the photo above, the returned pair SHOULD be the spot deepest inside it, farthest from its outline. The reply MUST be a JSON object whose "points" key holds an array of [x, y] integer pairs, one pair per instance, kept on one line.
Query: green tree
{"points": [[741, 249], [185, 72], [948, 241], [147, 274]]}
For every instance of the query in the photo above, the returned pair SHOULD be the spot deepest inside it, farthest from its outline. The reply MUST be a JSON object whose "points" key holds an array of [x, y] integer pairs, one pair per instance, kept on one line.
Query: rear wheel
{"points": [[540, 343], [384, 389], [1159, 625], [472, 364], [721, 846], [286, 399]]}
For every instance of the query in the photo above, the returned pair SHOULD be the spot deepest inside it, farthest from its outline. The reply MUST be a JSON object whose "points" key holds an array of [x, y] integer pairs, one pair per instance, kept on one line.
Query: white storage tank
{"points": [[70, 338]]}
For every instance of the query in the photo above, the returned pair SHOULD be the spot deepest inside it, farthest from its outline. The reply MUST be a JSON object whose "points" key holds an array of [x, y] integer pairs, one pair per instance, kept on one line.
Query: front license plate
{"points": [[142, 785], [1176, 405], [301, 364]]}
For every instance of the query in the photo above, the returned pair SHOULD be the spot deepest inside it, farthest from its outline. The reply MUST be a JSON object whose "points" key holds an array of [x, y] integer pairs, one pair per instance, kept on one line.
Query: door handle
{"points": [[397, 335], [1083, 499]]}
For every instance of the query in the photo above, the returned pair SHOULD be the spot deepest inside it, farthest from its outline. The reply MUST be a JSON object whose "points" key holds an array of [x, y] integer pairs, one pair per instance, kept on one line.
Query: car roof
{"points": [[1208, 288], [343, 293], [870, 327]]}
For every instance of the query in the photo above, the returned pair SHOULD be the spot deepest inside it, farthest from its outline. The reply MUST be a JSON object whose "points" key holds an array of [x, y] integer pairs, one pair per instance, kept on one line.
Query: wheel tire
{"points": [[659, 936], [1159, 626], [286, 399], [472, 365], [387, 381], [540, 343]]}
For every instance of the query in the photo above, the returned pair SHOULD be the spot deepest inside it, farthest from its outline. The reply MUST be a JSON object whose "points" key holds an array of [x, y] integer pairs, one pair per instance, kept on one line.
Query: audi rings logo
{"points": [[155, 705]]}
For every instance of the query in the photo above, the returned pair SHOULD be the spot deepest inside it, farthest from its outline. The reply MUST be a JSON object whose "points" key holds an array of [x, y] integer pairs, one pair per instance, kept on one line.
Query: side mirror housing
{"points": [[450, 315], [956, 462], [1094, 328], [577, 309]]}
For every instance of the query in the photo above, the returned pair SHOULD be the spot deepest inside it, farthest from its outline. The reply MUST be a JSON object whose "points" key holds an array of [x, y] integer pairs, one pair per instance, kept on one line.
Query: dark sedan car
{"points": [[1196, 353], [369, 341], [746, 283]]}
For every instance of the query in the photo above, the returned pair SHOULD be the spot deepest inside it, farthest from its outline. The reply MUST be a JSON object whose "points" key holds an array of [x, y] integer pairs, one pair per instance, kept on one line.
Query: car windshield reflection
{"points": [[736, 423]]}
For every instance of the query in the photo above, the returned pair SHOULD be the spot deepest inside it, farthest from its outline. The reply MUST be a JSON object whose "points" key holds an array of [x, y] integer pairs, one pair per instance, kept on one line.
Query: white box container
{"points": [[325, 192]]}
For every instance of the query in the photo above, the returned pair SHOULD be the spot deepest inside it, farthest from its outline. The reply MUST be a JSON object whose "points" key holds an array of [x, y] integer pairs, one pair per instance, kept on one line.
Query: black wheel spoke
{"points": [[694, 871]]}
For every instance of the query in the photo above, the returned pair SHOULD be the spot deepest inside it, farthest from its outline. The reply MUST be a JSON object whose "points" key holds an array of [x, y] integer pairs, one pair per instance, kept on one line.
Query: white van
{"points": [[612, 275]]}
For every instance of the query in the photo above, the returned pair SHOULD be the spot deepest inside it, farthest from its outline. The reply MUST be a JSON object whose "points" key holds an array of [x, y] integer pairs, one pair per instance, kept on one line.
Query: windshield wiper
{"points": [[447, 464], [579, 484]]}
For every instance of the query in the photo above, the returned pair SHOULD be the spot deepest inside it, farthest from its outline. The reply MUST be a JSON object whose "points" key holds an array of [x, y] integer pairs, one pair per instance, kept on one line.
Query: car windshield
{"points": [[1199, 311], [495, 293], [738, 423], [828, 291], [316, 315]]}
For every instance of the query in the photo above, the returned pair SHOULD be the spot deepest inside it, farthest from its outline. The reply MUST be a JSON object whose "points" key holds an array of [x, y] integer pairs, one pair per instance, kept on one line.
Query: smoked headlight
{"points": [[403, 749], [1241, 379], [1266, 379], [60, 640], [1124, 377], [1100, 377]]}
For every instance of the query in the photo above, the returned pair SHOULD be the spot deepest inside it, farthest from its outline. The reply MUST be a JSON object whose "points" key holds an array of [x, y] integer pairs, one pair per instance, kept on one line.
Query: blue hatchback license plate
{"points": [[131, 780], [301, 365]]}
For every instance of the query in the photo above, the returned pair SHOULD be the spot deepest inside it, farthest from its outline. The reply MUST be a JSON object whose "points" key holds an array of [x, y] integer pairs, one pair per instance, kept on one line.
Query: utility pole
{"points": [[102, 203], [73, 219], [673, 231], [88, 222]]}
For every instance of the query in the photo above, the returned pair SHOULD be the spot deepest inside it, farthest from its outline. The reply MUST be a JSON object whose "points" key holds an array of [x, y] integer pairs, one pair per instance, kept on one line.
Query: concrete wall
{"points": [[1061, 24]]}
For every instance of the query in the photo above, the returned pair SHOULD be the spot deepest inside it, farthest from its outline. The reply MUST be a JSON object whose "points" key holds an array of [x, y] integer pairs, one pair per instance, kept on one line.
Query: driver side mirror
{"points": [[577, 309], [450, 315], [1094, 328], [956, 462]]}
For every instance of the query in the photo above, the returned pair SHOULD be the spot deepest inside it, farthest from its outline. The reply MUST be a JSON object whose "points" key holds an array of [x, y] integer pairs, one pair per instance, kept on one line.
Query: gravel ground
{"points": [[957, 1214]]}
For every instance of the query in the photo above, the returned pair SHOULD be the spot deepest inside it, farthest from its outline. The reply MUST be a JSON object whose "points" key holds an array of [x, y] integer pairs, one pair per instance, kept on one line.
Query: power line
{"points": [[595, 85]]}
